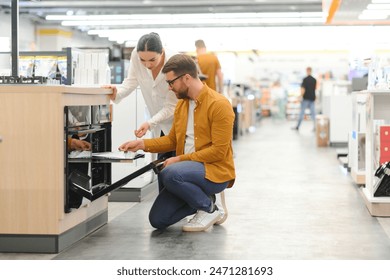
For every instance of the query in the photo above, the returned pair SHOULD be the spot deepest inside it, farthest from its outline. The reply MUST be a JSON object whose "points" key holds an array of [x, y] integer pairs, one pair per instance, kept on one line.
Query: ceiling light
{"points": [[336, 37], [374, 14], [189, 19], [190, 22], [87, 17], [185, 16], [372, 17], [378, 6]]}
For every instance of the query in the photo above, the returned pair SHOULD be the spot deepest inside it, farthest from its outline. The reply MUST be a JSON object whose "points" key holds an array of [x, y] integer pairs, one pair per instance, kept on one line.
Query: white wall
{"points": [[287, 66], [128, 115], [280, 51], [64, 38], [30, 41], [27, 38]]}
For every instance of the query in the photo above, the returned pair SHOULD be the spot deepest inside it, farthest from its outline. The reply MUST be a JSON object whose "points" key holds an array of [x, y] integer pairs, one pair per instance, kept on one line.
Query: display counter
{"points": [[32, 163], [377, 117], [357, 140]]}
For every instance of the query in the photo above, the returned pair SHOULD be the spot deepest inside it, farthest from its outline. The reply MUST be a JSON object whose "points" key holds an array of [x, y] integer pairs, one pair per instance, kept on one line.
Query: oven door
{"points": [[80, 183]]}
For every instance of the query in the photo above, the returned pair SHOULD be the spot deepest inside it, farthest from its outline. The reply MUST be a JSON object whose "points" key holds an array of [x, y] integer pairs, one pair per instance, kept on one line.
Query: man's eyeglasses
{"points": [[171, 82]]}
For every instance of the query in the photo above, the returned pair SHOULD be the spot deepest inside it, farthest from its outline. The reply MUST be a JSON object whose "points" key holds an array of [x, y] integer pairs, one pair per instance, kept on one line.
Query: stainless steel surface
{"points": [[15, 38]]}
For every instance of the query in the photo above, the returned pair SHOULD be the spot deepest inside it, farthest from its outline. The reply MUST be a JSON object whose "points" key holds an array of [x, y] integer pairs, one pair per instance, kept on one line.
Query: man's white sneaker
{"points": [[221, 204], [202, 221]]}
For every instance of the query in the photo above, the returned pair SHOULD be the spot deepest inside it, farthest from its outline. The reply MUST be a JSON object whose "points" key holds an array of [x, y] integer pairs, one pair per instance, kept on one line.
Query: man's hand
{"points": [[114, 91], [80, 145], [171, 160], [141, 131], [132, 146]]}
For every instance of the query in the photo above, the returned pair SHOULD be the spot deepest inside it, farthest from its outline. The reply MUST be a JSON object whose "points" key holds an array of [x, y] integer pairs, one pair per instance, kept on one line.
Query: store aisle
{"points": [[291, 200]]}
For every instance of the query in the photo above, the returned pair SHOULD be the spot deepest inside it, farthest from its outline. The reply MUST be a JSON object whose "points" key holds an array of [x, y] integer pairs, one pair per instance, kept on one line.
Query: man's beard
{"points": [[182, 94]]}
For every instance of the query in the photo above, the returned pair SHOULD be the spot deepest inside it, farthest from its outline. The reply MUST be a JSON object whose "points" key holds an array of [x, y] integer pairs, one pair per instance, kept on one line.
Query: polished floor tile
{"points": [[291, 201]]}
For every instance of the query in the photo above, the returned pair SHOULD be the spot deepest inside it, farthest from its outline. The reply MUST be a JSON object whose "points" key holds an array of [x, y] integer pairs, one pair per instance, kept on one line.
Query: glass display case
{"points": [[71, 66]]}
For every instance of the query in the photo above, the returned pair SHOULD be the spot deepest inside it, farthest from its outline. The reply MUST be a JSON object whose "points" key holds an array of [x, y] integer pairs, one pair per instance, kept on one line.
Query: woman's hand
{"points": [[114, 91], [141, 131]]}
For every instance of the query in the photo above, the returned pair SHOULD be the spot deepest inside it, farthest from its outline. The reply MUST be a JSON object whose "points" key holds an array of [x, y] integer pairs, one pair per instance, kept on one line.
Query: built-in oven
{"points": [[87, 130], [88, 156]]}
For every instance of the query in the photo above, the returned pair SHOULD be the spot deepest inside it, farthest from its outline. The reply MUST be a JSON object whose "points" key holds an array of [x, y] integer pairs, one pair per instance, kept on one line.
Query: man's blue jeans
{"points": [[307, 104], [185, 191]]}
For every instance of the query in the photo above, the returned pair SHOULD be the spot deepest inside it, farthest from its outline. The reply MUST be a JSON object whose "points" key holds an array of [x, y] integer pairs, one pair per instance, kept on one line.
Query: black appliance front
{"points": [[87, 130], [87, 135]]}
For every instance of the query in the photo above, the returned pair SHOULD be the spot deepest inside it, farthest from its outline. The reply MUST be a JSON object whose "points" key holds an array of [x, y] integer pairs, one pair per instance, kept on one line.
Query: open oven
{"points": [[88, 156]]}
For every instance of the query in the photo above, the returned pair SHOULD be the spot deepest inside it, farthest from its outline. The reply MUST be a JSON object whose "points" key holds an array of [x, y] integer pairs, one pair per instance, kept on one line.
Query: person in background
{"points": [[209, 66], [203, 166], [308, 95], [146, 62], [278, 101]]}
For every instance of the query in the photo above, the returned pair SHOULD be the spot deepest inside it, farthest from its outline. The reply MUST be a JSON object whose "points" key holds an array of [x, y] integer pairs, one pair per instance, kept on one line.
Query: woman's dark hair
{"points": [[181, 64], [150, 43]]}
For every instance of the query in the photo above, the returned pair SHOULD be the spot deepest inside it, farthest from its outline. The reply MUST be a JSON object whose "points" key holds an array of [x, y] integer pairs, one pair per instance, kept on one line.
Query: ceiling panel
{"points": [[168, 6], [349, 11], [346, 14], [41, 8]]}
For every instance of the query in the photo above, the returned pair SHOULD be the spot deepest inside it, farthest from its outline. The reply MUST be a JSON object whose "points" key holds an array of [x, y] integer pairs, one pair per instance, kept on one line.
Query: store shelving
{"points": [[377, 114], [357, 139], [337, 106]]}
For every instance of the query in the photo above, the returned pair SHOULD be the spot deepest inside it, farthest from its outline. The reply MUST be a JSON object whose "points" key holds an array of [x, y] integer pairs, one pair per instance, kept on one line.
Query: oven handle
{"points": [[85, 131], [154, 165]]}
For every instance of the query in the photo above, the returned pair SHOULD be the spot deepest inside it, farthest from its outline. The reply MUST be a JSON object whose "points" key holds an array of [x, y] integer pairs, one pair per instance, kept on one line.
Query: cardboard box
{"points": [[322, 131]]}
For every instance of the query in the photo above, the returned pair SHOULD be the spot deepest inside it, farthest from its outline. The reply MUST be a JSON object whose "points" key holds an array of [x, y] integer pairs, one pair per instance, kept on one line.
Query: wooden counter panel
{"points": [[60, 89], [83, 213], [31, 167], [32, 158]]}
